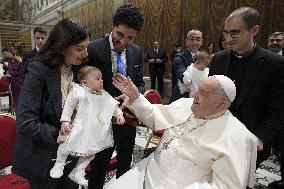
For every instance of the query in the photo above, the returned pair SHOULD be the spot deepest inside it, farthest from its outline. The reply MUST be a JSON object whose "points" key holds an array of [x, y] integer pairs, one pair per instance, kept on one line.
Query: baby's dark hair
{"points": [[84, 71], [201, 55]]}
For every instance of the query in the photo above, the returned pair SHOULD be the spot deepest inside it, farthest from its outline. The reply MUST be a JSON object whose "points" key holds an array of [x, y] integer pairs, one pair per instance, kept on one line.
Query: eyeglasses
{"points": [[232, 33]]}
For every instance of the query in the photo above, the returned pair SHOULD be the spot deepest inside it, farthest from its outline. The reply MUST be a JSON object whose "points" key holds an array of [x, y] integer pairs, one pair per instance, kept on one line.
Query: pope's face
{"points": [[206, 101]]}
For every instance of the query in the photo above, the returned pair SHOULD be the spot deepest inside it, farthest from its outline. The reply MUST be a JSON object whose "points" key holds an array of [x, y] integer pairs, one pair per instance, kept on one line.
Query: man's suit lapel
{"points": [[224, 65], [189, 58], [130, 61], [35, 52], [251, 76], [107, 55], [53, 81]]}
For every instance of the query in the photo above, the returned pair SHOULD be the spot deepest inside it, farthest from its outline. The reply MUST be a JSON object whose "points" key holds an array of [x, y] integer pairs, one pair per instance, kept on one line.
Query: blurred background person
{"points": [[6, 58], [39, 38], [157, 57], [177, 50], [193, 43], [14, 67], [222, 43], [211, 49], [276, 42]]}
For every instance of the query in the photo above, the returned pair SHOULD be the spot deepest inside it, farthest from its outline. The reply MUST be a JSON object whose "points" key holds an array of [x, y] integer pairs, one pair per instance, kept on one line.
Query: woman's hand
{"points": [[65, 128], [18, 58]]}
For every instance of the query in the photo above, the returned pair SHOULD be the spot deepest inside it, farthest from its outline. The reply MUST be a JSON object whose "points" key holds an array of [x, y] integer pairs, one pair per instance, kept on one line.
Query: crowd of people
{"points": [[224, 118]]}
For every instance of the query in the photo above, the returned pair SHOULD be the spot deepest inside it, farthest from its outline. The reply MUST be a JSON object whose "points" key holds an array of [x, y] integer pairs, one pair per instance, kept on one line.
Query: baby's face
{"points": [[94, 81]]}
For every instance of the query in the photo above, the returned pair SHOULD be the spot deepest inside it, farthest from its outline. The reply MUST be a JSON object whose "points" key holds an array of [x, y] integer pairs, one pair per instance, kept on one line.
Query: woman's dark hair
{"points": [[221, 39], [40, 30], [213, 45], [19, 48], [129, 15], [65, 33]]}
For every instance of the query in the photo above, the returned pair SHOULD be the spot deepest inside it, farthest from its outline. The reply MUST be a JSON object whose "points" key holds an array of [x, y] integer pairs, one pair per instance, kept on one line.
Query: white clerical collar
{"points": [[245, 54], [214, 116], [280, 52]]}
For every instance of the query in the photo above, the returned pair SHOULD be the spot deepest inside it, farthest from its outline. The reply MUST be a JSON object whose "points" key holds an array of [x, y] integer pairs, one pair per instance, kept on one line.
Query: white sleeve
{"points": [[158, 116], [117, 112], [231, 170], [69, 106], [187, 77]]}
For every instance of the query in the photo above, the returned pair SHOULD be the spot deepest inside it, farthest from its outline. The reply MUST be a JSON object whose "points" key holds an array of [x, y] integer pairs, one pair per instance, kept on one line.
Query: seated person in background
{"points": [[90, 131], [6, 58], [195, 73], [204, 146]]}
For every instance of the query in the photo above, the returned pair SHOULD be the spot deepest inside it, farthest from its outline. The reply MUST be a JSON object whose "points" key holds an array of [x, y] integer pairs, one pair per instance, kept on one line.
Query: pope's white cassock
{"points": [[218, 152]]}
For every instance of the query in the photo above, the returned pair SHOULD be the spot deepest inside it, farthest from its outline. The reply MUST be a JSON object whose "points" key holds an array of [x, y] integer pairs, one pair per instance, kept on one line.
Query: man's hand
{"points": [[126, 86], [65, 128], [158, 61], [125, 101], [18, 58], [188, 88], [151, 61], [259, 145]]}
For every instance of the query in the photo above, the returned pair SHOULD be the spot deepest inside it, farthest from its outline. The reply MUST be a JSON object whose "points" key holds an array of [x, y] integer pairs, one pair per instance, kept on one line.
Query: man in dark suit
{"points": [[113, 54], [40, 35], [157, 57], [276, 42], [177, 50], [258, 76], [194, 41]]}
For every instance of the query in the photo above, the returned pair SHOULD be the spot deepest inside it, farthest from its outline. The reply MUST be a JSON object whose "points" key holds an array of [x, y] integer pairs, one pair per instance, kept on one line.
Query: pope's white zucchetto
{"points": [[228, 85]]}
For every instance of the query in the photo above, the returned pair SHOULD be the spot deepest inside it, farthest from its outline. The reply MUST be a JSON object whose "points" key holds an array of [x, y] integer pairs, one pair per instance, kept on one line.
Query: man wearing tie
{"points": [[113, 54], [157, 58]]}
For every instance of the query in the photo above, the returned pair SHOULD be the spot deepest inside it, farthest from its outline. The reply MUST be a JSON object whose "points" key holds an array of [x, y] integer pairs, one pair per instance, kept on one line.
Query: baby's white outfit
{"points": [[191, 79], [91, 127]]}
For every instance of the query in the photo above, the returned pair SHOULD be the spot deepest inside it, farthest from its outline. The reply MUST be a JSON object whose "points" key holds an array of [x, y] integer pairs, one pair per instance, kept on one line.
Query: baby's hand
{"points": [[188, 88], [120, 120], [65, 128]]}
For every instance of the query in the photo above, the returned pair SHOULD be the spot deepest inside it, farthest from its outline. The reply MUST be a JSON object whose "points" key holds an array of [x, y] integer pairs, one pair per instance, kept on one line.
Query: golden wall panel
{"points": [[11, 34]]}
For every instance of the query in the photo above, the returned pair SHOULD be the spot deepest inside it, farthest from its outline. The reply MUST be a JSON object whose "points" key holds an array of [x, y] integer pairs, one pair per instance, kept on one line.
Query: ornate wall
{"points": [[96, 15]]}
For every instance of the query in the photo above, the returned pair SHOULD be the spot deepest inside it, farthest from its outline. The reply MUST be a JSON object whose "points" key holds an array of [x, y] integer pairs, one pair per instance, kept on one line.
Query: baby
{"points": [[195, 73], [90, 131]]}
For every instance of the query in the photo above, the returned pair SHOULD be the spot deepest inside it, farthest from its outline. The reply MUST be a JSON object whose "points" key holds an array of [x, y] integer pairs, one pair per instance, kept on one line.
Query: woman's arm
{"points": [[30, 107]]}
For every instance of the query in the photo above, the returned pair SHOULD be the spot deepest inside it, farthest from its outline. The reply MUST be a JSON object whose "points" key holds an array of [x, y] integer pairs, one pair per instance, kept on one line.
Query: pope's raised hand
{"points": [[126, 86]]}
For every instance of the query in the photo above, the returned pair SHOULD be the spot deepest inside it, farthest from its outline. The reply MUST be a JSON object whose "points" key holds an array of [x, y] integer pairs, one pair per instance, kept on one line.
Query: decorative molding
{"points": [[55, 12]]}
